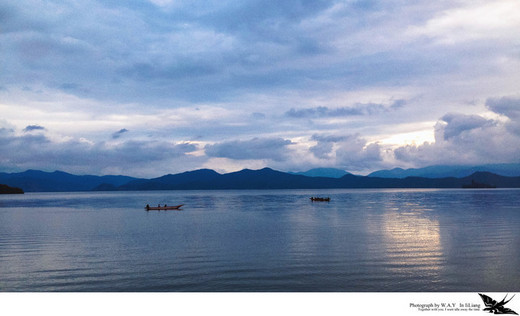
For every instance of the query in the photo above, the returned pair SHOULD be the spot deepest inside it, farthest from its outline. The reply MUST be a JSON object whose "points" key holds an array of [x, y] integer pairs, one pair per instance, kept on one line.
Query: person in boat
{"points": [[165, 205], [147, 207]]}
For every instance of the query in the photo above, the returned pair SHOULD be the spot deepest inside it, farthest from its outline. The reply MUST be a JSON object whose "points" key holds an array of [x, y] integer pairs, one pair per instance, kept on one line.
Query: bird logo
{"points": [[497, 307]]}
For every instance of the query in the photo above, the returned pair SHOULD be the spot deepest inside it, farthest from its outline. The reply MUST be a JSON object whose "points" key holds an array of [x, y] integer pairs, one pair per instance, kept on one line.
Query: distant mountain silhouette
{"points": [[271, 179], [443, 171], [206, 179], [58, 181], [323, 172], [189, 180]]}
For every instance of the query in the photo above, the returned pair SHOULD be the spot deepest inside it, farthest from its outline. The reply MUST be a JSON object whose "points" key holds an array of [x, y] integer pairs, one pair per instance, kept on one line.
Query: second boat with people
{"points": [[162, 208], [320, 199]]}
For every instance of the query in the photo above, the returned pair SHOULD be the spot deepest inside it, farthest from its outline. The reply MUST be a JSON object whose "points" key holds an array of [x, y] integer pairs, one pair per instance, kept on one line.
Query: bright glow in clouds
{"points": [[414, 138], [156, 87], [486, 20]]}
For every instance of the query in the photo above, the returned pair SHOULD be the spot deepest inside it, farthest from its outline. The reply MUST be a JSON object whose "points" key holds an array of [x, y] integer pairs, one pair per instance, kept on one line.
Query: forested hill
{"points": [[58, 181]]}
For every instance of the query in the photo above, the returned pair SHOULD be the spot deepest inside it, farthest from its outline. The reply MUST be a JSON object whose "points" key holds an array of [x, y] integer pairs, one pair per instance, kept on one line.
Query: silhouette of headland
{"points": [[5, 189]]}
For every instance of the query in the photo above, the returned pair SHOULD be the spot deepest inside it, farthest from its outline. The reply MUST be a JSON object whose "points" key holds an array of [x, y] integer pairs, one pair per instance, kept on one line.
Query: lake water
{"points": [[362, 240]]}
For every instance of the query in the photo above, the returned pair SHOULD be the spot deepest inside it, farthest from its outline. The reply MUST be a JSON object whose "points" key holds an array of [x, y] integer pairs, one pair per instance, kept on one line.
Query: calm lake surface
{"points": [[362, 240]]}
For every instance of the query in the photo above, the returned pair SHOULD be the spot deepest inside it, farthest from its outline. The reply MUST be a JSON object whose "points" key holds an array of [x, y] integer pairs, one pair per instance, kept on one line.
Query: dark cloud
{"points": [[508, 106], [30, 128], [185, 70], [5, 132], [456, 124], [119, 133], [351, 152], [308, 112], [256, 148], [195, 52], [322, 150], [259, 17], [324, 145], [356, 110], [329, 138], [397, 104], [258, 116], [73, 88]]}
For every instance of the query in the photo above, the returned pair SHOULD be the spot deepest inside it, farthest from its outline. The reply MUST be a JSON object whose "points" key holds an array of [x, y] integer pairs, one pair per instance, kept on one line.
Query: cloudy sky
{"points": [[146, 88]]}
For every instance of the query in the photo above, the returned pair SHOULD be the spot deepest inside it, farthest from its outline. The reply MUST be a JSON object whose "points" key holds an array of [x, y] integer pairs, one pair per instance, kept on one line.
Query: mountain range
{"points": [[58, 181], [443, 171], [206, 179], [323, 172]]}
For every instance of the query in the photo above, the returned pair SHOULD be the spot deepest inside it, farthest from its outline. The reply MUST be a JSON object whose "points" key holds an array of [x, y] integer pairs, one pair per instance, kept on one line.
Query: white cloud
{"points": [[476, 20], [356, 154], [464, 139], [350, 152], [37, 151]]}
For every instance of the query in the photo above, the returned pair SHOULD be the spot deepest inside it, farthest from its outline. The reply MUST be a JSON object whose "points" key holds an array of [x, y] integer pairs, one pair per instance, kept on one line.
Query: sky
{"points": [[147, 88]]}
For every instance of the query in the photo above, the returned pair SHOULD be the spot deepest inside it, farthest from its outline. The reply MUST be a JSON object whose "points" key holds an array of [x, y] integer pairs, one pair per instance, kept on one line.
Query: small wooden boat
{"points": [[162, 208], [320, 199]]}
